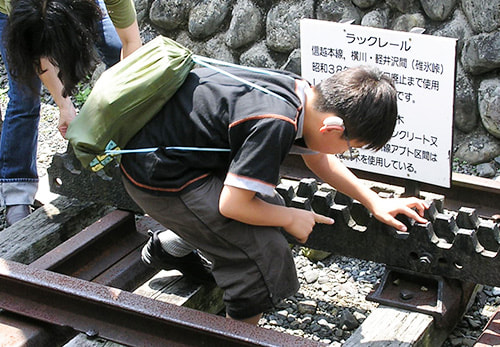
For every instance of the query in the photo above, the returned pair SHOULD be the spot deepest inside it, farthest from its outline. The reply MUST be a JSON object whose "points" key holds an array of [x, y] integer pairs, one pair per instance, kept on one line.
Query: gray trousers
{"points": [[252, 264]]}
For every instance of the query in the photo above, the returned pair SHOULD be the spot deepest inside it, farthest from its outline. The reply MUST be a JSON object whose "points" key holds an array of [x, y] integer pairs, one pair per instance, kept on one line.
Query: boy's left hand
{"points": [[385, 211]]}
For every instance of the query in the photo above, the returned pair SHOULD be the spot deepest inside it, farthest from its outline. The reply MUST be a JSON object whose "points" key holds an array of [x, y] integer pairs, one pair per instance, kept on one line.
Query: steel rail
{"points": [[108, 239], [106, 252], [121, 316], [79, 256], [491, 332], [93, 254]]}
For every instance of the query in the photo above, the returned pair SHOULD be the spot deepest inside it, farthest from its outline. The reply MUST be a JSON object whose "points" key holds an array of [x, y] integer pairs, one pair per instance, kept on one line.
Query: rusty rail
{"points": [[97, 248], [491, 333], [121, 316], [107, 253], [94, 255]]}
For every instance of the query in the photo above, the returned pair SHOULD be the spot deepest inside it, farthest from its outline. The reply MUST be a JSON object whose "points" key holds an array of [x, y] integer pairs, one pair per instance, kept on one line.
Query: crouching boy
{"points": [[219, 197]]}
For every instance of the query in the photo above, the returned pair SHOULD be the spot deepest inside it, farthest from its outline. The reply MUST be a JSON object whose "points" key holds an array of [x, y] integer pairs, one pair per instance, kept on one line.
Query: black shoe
{"points": [[193, 267], [14, 213]]}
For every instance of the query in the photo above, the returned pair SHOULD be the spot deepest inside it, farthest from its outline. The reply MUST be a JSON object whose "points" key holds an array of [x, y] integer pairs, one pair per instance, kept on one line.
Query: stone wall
{"points": [[266, 34]]}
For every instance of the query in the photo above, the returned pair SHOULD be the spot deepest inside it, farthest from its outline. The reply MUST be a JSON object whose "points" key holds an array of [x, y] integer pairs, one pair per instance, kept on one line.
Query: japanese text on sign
{"points": [[422, 68]]}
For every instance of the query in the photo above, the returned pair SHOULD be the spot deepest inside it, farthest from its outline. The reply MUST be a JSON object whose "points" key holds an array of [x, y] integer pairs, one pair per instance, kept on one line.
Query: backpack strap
{"points": [[177, 148]]}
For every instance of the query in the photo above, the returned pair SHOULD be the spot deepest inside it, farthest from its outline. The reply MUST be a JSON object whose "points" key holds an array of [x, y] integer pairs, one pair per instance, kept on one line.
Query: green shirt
{"points": [[121, 12]]}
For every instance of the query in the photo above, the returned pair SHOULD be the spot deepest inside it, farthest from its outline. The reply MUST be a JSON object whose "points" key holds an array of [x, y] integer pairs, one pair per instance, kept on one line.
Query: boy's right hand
{"points": [[303, 222]]}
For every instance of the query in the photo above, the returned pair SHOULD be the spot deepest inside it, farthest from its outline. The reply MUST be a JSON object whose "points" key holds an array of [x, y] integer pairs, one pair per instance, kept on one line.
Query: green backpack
{"points": [[125, 98]]}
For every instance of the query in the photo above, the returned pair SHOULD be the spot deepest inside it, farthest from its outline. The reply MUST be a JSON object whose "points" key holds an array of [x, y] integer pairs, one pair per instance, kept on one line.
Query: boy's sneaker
{"points": [[192, 266]]}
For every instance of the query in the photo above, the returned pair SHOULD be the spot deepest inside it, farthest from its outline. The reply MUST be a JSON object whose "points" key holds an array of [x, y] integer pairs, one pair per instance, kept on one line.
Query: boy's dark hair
{"points": [[365, 99], [63, 31]]}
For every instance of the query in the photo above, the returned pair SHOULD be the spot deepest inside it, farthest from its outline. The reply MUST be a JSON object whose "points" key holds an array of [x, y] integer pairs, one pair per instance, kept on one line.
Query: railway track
{"points": [[86, 283]]}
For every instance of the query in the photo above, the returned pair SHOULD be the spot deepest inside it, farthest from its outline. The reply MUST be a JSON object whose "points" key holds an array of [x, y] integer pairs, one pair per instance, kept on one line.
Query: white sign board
{"points": [[423, 70]]}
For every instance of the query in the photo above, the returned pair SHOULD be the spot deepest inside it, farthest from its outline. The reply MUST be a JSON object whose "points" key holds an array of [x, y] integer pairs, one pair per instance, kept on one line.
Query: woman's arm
{"points": [[53, 84], [130, 37]]}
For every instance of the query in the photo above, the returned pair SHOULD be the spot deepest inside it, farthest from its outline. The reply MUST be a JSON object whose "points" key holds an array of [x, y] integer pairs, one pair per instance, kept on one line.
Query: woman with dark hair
{"points": [[57, 42]]}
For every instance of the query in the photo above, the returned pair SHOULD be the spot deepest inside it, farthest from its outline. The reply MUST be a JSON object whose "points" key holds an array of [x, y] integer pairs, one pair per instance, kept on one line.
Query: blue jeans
{"points": [[109, 46], [18, 142]]}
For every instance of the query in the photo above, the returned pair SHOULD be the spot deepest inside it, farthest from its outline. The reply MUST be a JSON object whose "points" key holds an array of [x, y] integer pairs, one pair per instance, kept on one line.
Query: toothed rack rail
{"points": [[455, 244]]}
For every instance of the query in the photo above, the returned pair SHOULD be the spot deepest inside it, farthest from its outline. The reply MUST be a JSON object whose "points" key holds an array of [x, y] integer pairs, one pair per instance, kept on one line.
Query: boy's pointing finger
{"points": [[318, 218]]}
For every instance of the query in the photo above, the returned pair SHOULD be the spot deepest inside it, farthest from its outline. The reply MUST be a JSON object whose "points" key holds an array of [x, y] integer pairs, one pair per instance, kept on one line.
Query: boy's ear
{"points": [[332, 123]]}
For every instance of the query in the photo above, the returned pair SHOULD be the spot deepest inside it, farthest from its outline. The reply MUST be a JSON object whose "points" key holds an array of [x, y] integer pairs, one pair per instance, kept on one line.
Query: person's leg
{"points": [[18, 144], [110, 45], [253, 265], [166, 251]]}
